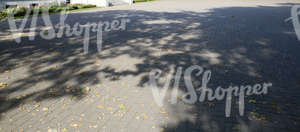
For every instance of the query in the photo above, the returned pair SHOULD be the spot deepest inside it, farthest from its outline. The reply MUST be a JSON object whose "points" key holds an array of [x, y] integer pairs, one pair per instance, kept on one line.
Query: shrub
{"points": [[40, 10], [53, 8], [72, 7], [61, 8], [56, 8], [136, 1], [3, 14], [89, 6], [20, 11], [80, 6]]}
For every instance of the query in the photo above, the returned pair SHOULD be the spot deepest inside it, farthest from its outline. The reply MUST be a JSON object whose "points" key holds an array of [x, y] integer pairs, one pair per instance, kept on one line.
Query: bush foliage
{"points": [[3, 14], [20, 12], [136, 1]]}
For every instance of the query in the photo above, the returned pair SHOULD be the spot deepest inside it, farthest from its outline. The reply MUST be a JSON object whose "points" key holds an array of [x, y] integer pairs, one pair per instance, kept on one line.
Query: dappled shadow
{"points": [[240, 45]]}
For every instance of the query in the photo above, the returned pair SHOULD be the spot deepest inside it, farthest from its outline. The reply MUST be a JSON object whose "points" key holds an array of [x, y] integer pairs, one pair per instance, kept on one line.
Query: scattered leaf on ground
{"points": [[252, 101], [97, 94], [100, 106], [86, 89], [93, 126], [109, 108], [52, 130], [45, 109], [3, 85], [145, 116], [74, 125], [36, 105], [122, 107], [65, 130], [163, 111]]}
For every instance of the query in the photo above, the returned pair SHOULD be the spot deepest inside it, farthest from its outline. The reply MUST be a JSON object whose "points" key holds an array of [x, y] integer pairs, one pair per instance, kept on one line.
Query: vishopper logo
{"points": [[62, 29], [204, 92], [295, 19]]}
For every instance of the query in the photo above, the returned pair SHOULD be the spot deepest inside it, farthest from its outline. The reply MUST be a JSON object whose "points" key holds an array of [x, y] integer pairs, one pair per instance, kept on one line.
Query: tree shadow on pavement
{"points": [[240, 45]]}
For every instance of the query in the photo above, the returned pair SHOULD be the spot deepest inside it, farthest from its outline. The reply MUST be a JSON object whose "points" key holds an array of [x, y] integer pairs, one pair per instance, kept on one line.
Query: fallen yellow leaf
{"points": [[64, 130], [3, 85], [146, 117], [109, 108], [86, 89], [36, 105], [74, 125], [163, 111], [100, 106], [45, 109], [94, 126], [122, 106]]}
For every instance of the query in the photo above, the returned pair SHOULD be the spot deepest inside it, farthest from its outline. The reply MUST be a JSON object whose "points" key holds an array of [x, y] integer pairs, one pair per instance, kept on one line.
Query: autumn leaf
{"points": [[252, 101], [3, 85], [109, 108], [97, 94], [145, 116], [257, 116], [275, 107], [122, 107], [45, 109], [36, 105], [86, 89], [64, 130], [93, 126], [100, 106], [75, 125], [163, 111], [100, 118], [52, 130]]}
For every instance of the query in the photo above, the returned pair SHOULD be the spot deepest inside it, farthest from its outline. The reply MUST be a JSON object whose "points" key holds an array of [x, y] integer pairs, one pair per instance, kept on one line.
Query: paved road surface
{"points": [[53, 86]]}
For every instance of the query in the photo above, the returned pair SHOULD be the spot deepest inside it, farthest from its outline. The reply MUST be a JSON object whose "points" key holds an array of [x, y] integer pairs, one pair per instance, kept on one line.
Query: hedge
{"points": [[19, 12]]}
